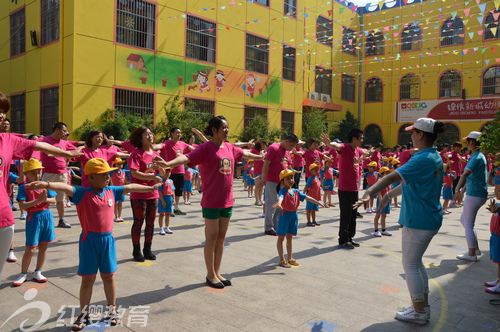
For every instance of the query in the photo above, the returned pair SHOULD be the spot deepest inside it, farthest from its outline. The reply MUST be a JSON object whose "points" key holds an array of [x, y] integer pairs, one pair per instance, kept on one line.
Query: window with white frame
{"points": [[251, 112], [17, 33], [257, 54], [49, 109], [136, 23], [131, 102], [201, 39], [288, 63], [18, 113], [49, 31]]}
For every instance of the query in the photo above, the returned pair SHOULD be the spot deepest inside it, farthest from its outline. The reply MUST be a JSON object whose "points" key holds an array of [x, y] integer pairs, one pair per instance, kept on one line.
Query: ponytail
{"points": [[278, 188], [215, 122]]}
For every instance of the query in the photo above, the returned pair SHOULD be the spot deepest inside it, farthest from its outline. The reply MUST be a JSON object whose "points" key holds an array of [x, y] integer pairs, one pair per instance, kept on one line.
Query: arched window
{"points": [[375, 43], [404, 136], [491, 25], [411, 38], [451, 135], [483, 127], [491, 81], [374, 90], [372, 134], [450, 84], [452, 32], [409, 87]]}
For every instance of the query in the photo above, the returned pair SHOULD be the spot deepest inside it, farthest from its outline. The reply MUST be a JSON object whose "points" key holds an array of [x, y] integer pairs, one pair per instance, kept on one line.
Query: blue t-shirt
{"points": [[422, 178], [78, 192], [476, 182], [12, 178]]}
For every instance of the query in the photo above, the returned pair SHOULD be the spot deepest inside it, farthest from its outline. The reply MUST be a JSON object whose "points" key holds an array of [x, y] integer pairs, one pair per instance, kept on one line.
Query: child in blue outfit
{"points": [[382, 213], [313, 188], [494, 286], [250, 179], [371, 178], [448, 178], [166, 192], [188, 185], [288, 221], [395, 165], [328, 173], [39, 222]]}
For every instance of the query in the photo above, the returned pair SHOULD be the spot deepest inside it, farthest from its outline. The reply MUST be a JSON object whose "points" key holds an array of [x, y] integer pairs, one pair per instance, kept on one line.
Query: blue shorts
{"points": [[328, 183], [97, 253], [386, 210], [168, 208], [188, 186], [250, 182], [447, 192], [245, 177], [288, 223], [368, 187], [311, 206], [395, 184], [495, 248], [39, 228]]}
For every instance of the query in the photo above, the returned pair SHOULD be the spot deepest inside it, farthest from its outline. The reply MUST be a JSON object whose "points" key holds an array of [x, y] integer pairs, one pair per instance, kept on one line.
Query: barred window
{"points": [[201, 40], [288, 63], [251, 112], [452, 32], [411, 38], [324, 31], [374, 90], [349, 41], [409, 87], [49, 31], [136, 23], [375, 43], [130, 102], [491, 81], [287, 123], [348, 88], [323, 83], [18, 113], [450, 84], [17, 33], [404, 136], [491, 25], [200, 106], [262, 2], [290, 8], [257, 55], [49, 109]]}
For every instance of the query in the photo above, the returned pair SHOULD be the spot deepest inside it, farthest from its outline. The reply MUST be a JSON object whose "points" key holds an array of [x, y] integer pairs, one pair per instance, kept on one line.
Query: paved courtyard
{"points": [[332, 290]]}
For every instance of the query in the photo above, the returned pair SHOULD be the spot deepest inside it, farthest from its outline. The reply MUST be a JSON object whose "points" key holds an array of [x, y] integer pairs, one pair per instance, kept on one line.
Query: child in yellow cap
{"points": [[382, 213], [372, 177], [313, 188], [119, 177]]}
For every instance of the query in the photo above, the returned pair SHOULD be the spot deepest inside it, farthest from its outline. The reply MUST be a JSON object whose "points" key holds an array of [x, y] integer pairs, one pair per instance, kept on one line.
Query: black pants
{"points": [[296, 177], [365, 182], [178, 180], [455, 182], [347, 227]]}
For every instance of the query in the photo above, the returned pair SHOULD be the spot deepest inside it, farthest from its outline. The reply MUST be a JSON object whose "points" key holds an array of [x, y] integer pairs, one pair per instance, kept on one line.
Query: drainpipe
{"points": [[360, 65], [61, 70]]}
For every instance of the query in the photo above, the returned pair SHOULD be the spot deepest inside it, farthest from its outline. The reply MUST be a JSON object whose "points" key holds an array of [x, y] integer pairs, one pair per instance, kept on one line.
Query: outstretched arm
{"points": [[312, 200], [328, 142], [378, 187], [248, 155], [180, 160], [139, 188], [55, 186], [52, 150]]}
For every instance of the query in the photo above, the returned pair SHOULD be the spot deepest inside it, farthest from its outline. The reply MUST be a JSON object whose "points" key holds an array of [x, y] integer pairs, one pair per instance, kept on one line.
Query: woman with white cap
{"points": [[475, 178], [421, 212]]}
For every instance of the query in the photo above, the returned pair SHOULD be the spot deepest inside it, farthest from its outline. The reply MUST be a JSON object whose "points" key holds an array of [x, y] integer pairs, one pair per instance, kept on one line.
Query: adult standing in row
{"points": [[277, 159], [259, 148], [475, 177], [298, 163], [311, 154]]}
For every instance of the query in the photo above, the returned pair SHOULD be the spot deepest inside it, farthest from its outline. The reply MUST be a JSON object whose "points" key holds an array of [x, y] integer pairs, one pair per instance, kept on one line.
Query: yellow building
{"points": [[388, 63]]}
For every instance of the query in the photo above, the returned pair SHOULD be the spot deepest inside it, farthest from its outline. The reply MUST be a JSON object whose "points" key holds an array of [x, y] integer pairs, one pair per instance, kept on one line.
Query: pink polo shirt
{"points": [[89, 153], [141, 161], [309, 157], [128, 146], [54, 165], [349, 167], [404, 157], [298, 161], [172, 150], [167, 188], [280, 160], [376, 157], [257, 164], [455, 165]]}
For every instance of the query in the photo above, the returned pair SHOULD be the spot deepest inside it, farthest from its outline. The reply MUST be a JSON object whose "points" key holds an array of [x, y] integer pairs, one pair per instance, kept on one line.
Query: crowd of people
{"points": [[157, 175]]}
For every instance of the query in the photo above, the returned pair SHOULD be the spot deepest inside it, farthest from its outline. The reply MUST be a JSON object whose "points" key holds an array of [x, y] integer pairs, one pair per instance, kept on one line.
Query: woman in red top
{"points": [[260, 145]]}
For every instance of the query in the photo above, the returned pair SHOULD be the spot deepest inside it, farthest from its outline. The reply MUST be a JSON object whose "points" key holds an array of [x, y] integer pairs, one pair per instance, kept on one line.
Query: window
{"points": [[130, 102], [349, 41], [452, 32], [375, 44], [374, 90], [136, 23], [411, 38], [348, 88], [257, 57], [290, 8], [18, 113], [287, 123], [251, 112], [262, 2], [49, 31], [491, 25], [372, 134], [450, 84], [17, 33], [199, 106], [288, 63], [200, 39], [409, 87], [452, 135], [49, 109], [404, 137], [324, 31], [491, 81], [323, 83]]}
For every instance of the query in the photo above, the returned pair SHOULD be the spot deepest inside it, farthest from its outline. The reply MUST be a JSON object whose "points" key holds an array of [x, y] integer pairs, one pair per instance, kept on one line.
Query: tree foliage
{"points": [[259, 128], [490, 140], [344, 127], [313, 124]]}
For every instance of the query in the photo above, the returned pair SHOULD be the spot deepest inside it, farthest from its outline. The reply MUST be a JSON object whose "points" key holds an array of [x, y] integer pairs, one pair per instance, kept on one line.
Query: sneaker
{"points": [[358, 215], [412, 316], [185, 203], [397, 206], [38, 277], [316, 223], [116, 220], [11, 258], [427, 309], [377, 234], [120, 220], [446, 212], [188, 202], [492, 283], [466, 257], [478, 252], [162, 231], [168, 231], [386, 233], [257, 203], [19, 281], [245, 189], [493, 290], [178, 212], [346, 245], [310, 224], [23, 216], [263, 215], [63, 224]]}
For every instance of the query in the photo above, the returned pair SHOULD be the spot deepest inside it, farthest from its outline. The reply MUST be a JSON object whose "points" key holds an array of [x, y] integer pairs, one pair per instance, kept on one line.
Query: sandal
{"points": [[80, 323], [293, 262], [495, 301], [112, 318], [285, 264]]}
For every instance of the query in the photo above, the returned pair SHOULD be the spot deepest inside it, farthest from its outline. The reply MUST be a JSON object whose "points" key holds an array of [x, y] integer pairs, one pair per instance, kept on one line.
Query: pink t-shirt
{"points": [[279, 158], [141, 161], [54, 165], [118, 177], [217, 170], [188, 174], [257, 164], [455, 165], [309, 157], [315, 189], [113, 148], [11, 147], [349, 167], [89, 153], [298, 161], [187, 149], [128, 146], [404, 157], [376, 157], [172, 150], [168, 188]]}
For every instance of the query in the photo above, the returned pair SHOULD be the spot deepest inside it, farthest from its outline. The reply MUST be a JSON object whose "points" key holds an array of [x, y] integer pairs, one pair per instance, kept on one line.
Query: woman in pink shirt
{"points": [[311, 153], [298, 163], [217, 159], [260, 145]]}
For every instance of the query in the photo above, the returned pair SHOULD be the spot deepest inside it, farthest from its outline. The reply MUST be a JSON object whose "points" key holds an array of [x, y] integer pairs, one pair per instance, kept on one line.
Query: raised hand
{"points": [[36, 185]]}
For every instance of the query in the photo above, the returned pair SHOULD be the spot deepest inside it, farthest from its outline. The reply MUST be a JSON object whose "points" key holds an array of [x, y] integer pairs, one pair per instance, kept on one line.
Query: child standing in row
{"points": [[395, 164], [494, 286], [382, 213], [188, 185], [328, 174], [165, 208], [118, 178], [313, 188], [288, 221], [71, 174], [250, 179], [371, 178], [448, 178]]}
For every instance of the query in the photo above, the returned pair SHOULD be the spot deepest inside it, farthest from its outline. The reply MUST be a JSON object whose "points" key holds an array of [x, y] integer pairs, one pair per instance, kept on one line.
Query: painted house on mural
{"points": [[388, 63]]}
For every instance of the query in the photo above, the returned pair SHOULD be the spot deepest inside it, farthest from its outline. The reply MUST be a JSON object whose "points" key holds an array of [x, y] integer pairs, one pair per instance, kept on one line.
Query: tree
{"points": [[345, 126], [490, 140], [259, 128], [313, 124]]}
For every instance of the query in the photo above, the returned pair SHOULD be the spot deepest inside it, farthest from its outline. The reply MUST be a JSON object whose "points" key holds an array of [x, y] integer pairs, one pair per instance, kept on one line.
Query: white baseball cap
{"points": [[300, 142], [423, 124], [473, 135]]}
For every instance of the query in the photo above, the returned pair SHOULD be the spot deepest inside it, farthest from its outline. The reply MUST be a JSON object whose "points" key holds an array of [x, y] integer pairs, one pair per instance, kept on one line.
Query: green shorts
{"points": [[217, 213]]}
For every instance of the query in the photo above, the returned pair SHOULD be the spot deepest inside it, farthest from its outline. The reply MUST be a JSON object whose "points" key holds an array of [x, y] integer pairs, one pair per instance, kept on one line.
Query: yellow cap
{"points": [[168, 168], [389, 158], [395, 162], [384, 169], [250, 161], [373, 164], [97, 166], [313, 166], [118, 160], [32, 164], [285, 173]]}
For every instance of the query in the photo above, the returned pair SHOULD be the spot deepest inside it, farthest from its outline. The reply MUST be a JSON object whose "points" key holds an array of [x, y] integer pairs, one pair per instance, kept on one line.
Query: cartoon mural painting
{"points": [[201, 79], [219, 80], [250, 88], [135, 61]]}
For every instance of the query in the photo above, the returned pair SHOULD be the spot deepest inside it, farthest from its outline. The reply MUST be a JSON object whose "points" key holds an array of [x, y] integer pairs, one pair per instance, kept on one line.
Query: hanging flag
{"points": [[471, 34], [453, 14], [487, 62], [482, 7], [493, 31], [341, 10], [480, 20], [497, 4], [467, 11]]}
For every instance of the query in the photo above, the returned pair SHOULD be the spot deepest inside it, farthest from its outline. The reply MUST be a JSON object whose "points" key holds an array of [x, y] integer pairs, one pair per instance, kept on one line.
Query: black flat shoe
{"points": [[356, 244], [226, 282], [215, 285]]}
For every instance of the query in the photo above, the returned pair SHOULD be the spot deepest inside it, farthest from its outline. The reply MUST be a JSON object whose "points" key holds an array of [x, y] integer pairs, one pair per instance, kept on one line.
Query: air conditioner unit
{"points": [[313, 95], [325, 97]]}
